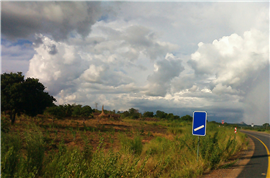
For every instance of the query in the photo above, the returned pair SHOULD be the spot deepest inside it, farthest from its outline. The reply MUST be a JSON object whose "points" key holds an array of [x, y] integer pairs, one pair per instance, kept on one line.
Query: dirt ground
{"points": [[94, 129]]}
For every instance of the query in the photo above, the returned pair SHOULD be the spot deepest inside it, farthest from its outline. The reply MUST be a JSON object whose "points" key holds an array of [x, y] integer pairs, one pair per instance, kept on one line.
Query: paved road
{"points": [[258, 164]]}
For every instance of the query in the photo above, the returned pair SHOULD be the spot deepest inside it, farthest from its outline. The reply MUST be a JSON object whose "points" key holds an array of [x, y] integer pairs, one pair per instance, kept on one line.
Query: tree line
{"points": [[67, 110], [27, 96], [134, 114]]}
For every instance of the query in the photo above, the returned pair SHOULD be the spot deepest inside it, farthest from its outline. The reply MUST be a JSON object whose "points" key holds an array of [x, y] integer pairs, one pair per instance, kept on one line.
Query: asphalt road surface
{"points": [[258, 164]]}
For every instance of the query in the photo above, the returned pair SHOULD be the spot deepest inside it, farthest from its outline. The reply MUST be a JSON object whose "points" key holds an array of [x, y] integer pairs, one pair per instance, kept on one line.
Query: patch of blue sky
{"points": [[104, 17], [20, 42], [73, 34]]}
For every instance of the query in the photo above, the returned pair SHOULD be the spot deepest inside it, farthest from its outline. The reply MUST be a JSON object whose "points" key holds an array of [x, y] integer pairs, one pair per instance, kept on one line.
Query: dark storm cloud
{"points": [[58, 19], [216, 113]]}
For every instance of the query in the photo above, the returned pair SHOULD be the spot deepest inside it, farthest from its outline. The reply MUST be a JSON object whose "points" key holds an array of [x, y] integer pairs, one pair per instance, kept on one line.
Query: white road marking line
{"points": [[202, 126]]}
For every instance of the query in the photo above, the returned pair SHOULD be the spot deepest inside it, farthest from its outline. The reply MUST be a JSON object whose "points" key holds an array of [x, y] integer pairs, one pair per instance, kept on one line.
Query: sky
{"points": [[177, 57]]}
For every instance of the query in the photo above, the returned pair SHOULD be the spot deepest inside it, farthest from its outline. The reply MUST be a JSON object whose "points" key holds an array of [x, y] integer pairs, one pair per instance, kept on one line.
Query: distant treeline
{"points": [[134, 114], [68, 110], [77, 110]]}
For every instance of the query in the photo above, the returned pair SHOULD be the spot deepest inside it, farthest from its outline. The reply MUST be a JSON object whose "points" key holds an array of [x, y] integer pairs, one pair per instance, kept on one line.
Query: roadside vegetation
{"points": [[263, 128], [38, 147]]}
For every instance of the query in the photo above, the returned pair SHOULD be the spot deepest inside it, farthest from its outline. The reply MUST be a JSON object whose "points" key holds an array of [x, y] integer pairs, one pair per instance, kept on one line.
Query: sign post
{"points": [[199, 126]]}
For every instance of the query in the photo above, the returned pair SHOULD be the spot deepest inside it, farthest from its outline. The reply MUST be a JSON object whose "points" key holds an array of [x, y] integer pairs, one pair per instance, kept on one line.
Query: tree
{"points": [[161, 114], [175, 117], [170, 116], [57, 111], [23, 96], [187, 118], [266, 125], [125, 114], [148, 114], [134, 113], [77, 110], [86, 111]]}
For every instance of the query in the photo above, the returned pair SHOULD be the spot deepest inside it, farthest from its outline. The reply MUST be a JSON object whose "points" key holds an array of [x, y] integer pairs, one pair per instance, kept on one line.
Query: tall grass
{"points": [[129, 145], [160, 157]]}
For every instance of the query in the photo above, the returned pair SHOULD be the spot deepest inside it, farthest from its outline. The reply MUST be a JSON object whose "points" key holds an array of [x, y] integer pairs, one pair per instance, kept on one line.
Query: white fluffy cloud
{"points": [[105, 62], [177, 57], [235, 62], [232, 59]]}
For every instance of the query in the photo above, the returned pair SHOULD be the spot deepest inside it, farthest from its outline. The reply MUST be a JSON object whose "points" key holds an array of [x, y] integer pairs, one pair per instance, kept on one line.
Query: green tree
{"points": [[23, 96], [86, 111], [160, 114], [170, 116], [57, 111], [125, 114], [77, 110], [148, 114], [134, 113], [68, 110], [187, 118], [266, 125]]}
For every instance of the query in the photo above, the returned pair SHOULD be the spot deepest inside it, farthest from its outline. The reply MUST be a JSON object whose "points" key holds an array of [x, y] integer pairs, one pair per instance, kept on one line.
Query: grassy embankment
{"points": [[257, 129], [127, 148]]}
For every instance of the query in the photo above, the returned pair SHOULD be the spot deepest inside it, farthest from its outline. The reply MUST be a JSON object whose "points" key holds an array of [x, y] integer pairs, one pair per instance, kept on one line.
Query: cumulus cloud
{"points": [[220, 89], [102, 61], [58, 19], [235, 65], [232, 59], [59, 70], [176, 57], [130, 41], [165, 71]]}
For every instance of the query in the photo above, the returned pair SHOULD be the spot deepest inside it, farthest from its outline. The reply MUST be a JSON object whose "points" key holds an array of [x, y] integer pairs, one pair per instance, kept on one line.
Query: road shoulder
{"points": [[233, 171]]}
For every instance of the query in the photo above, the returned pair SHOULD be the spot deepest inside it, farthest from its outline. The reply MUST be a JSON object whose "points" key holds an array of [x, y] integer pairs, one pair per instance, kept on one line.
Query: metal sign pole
{"points": [[198, 148], [199, 126]]}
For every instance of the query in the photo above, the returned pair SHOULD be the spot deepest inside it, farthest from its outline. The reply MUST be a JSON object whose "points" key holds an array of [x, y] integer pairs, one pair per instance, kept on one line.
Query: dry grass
{"points": [[165, 153]]}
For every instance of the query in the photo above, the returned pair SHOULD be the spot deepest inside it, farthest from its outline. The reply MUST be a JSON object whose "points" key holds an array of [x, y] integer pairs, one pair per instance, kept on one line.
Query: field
{"points": [[41, 147]]}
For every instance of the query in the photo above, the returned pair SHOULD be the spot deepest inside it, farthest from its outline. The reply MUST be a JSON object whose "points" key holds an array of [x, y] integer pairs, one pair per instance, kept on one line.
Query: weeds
{"points": [[173, 156], [131, 145]]}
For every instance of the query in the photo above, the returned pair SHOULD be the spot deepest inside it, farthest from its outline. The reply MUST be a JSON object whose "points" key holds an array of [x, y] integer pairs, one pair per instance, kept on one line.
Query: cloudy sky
{"points": [[176, 57]]}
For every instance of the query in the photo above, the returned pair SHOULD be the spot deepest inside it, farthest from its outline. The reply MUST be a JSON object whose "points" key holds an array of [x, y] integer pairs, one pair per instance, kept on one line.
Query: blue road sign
{"points": [[199, 123]]}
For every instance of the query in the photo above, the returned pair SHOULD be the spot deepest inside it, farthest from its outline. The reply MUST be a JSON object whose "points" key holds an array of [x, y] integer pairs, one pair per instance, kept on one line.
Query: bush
{"points": [[134, 146], [5, 124], [10, 153], [56, 111], [35, 149]]}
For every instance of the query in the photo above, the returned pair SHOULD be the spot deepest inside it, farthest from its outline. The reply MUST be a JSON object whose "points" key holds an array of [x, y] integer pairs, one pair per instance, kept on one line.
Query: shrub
{"points": [[134, 146], [5, 124], [35, 149], [10, 153]]}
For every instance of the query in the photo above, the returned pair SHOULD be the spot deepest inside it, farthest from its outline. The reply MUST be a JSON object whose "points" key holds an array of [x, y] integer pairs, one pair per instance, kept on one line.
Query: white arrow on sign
{"points": [[198, 128]]}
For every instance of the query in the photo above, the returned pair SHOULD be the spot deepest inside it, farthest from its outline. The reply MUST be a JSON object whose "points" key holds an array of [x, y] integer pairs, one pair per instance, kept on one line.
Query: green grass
{"points": [[171, 155]]}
